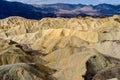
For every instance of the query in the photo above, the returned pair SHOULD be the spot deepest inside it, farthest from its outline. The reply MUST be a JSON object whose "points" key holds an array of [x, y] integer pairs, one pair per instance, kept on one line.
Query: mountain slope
{"points": [[19, 9], [79, 9], [55, 10], [17, 64], [108, 9]]}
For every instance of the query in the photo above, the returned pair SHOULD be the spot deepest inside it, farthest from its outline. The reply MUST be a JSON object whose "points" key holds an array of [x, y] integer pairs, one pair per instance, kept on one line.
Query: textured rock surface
{"points": [[23, 71], [64, 48], [19, 63], [108, 74]]}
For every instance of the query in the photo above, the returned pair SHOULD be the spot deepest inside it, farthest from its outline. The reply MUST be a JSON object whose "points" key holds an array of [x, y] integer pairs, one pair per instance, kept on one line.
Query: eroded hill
{"points": [[60, 48]]}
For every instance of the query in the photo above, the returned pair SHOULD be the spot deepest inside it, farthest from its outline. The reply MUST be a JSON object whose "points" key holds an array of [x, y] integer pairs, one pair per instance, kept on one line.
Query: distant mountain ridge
{"points": [[35, 11], [91, 10], [19, 9]]}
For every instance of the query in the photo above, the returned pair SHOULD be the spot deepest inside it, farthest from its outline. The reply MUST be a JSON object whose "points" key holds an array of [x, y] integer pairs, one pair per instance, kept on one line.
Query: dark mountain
{"points": [[61, 6], [81, 9], [19, 9], [56, 10], [107, 9]]}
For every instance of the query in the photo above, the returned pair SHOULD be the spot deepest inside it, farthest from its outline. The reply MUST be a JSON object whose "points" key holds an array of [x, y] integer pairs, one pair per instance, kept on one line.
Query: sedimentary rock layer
{"points": [[64, 48]]}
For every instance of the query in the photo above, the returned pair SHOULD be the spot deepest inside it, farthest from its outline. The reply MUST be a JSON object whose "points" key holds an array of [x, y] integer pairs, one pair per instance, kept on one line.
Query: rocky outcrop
{"points": [[22, 71], [110, 74], [10, 20], [17, 62]]}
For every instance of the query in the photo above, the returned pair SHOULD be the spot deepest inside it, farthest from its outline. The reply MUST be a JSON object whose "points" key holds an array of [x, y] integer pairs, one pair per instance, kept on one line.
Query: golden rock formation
{"points": [[76, 48]]}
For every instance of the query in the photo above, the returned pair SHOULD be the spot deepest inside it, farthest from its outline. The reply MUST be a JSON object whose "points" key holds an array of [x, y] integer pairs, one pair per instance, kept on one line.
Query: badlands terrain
{"points": [[81, 48]]}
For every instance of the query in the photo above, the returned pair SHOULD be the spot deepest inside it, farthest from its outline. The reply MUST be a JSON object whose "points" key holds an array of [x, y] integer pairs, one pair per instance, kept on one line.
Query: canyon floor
{"points": [[82, 48]]}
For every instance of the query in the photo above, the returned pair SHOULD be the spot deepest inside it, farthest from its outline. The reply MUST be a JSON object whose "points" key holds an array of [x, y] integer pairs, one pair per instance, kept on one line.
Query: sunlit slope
{"points": [[69, 44]]}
